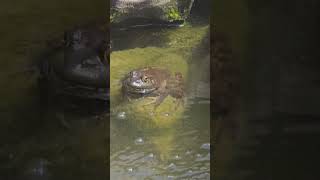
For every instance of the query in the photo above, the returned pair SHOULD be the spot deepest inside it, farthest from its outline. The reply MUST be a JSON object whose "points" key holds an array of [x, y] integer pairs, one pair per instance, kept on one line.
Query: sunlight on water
{"points": [[165, 143], [59, 140]]}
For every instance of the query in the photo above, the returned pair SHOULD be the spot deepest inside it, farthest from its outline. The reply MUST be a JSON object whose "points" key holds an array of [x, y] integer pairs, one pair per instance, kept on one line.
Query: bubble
{"points": [[151, 155], [139, 141], [121, 115], [177, 157], [130, 170]]}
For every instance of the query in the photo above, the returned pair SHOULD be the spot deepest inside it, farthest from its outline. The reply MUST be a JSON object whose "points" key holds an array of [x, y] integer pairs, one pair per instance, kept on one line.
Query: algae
{"points": [[162, 130], [175, 56]]}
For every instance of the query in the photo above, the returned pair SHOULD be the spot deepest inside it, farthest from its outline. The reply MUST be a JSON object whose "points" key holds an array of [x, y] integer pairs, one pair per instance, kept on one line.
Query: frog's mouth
{"points": [[138, 87]]}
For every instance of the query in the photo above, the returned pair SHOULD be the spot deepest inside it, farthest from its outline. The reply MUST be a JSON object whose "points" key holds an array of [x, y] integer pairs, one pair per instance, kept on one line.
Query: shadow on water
{"points": [[54, 137], [58, 139], [280, 92], [43, 139], [138, 37]]}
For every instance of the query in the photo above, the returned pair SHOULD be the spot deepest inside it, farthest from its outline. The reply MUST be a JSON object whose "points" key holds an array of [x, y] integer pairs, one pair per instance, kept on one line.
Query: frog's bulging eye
{"points": [[145, 79]]}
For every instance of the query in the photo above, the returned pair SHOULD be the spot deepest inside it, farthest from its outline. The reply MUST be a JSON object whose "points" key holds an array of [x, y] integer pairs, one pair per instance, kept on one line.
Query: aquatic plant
{"points": [[173, 14]]}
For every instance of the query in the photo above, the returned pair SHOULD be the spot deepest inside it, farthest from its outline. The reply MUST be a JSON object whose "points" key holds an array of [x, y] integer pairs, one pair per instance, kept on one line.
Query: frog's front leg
{"points": [[160, 100], [151, 100], [156, 101]]}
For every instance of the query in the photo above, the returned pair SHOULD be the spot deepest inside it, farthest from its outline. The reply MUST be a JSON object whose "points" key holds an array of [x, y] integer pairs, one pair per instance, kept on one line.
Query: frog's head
{"points": [[139, 82]]}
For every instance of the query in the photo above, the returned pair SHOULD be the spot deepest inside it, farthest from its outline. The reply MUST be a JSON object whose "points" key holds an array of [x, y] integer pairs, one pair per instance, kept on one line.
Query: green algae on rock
{"points": [[139, 58], [165, 10], [175, 55]]}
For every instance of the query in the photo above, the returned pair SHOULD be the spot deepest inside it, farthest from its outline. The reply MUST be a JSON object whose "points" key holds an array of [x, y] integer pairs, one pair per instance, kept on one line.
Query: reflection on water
{"points": [[161, 144], [41, 140], [60, 140], [182, 151]]}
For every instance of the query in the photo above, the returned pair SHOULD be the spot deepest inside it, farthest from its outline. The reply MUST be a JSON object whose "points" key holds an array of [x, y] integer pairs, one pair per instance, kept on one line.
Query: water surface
{"points": [[174, 144]]}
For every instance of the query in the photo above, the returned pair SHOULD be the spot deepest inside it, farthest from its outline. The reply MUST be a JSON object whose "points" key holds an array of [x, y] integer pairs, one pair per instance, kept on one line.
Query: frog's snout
{"points": [[137, 83]]}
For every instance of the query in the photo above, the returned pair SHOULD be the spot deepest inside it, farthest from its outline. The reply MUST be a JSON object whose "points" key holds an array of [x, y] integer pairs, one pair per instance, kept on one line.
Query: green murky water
{"points": [[66, 141], [167, 143]]}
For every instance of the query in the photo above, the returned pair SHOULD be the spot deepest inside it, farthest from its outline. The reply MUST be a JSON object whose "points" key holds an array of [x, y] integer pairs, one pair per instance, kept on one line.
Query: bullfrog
{"points": [[83, 68], [153, 82]]}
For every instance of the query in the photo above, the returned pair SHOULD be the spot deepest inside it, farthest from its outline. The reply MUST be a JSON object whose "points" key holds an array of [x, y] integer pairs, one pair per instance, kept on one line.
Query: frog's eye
{"points": [[145, 79]]}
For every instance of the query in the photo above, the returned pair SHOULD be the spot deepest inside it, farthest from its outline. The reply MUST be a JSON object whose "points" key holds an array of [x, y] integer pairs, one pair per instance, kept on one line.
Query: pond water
{"points": [[167, 143], [41, 140], [60, 139]]}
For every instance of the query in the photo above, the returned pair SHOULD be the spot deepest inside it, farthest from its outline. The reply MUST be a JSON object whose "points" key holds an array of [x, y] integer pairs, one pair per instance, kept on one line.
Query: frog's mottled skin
{"points": [[153, 82]]}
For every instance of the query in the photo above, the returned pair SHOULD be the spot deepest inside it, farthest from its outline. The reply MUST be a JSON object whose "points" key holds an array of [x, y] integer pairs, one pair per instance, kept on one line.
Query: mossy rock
{"points": [[175, 55], [141, 110], [166, 11]]}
